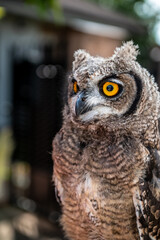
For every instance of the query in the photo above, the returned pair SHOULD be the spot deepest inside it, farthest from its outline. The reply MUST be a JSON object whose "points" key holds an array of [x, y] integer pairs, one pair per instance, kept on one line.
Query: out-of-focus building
{"points": [[155, 57], [35, 54]]}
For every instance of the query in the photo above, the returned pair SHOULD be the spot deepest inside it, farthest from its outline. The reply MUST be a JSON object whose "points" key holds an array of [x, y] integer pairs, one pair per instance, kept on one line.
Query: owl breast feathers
{"points": [[106, 159]]}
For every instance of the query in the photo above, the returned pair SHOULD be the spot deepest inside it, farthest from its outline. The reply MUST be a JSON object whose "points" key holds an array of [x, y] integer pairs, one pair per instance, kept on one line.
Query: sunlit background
{"points": [[37, 42]]}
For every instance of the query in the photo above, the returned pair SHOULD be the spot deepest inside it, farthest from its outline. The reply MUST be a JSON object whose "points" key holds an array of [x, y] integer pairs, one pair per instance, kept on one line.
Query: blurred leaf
{"points": [[6, 150], [2, 12], [57, 10], [44, 7]]}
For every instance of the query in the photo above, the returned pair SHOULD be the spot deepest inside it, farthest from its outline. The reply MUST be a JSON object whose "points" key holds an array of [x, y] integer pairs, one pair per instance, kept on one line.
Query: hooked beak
{"points": [[81, 105]]}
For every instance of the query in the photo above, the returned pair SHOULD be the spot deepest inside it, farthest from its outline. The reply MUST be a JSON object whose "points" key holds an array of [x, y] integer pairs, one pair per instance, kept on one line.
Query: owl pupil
{"points": [[109, 88]]}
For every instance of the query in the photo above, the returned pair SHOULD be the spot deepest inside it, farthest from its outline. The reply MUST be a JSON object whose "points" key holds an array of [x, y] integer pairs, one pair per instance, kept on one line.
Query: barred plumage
{"points": [[106, 164]]}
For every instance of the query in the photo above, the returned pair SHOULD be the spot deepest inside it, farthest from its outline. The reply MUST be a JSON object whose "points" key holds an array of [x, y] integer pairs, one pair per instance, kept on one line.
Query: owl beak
{"points": [[81, 106]]}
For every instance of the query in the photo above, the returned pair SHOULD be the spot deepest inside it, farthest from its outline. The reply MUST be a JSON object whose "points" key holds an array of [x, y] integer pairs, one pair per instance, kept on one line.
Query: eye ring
{"points": [[75, 87], [115, 87], [110, 89]]}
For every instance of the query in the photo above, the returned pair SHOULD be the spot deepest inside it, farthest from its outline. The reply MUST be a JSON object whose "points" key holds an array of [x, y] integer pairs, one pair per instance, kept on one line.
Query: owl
{"points": [[106, 159]]}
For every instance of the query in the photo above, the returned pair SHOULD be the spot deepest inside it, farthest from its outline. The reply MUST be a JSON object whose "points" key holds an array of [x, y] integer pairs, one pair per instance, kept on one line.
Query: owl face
{"points": [[114, 94], [102, 88]]}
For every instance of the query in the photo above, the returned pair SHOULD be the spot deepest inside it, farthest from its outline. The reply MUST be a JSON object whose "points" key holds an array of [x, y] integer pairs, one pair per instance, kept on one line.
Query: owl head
{"points": [[114, 91]]}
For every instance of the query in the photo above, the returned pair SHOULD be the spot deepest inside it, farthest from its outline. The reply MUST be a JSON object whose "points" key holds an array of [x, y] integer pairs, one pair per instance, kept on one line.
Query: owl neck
{"points": [[92, 132], [146, 131]]}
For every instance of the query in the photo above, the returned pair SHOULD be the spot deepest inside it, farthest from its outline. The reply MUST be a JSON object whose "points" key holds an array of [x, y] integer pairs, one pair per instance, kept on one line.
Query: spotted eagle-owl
{"points": [[106, 161]]}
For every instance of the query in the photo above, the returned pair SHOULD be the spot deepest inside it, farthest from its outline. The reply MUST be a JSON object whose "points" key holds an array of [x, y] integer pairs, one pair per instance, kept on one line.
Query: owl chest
{"points": [[112, 162], [99, 208], [97, 179], [97, 171]]}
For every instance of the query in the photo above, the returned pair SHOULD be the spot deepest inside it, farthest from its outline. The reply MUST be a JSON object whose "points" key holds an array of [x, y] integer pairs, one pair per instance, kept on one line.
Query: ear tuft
{"points": [[79, 57], [128, 52]]}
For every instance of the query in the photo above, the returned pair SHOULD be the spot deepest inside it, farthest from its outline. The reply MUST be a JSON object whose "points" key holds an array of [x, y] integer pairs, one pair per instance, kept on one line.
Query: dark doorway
{"points": [[37, 107]]}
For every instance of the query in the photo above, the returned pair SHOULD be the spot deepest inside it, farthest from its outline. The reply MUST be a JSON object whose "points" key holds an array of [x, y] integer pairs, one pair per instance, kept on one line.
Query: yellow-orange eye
{"points": [[110, 89], [75, 87]]}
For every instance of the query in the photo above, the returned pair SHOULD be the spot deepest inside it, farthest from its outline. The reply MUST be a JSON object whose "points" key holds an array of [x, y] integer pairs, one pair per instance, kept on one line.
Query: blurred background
{"points": [[37, 42]]}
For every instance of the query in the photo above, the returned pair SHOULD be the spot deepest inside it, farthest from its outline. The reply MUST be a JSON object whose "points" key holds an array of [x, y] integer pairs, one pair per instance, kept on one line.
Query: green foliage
{"points": [[124, 6], [45, 6], [2, 12]]}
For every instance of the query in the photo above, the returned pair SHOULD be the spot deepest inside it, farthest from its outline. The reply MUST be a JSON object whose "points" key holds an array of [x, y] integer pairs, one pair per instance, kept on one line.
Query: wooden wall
{"points": [[95, 45]]}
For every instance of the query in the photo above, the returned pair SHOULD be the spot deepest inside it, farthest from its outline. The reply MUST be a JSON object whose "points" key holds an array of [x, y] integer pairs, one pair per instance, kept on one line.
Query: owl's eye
{"points": [[110, 89], [75, 87]]}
